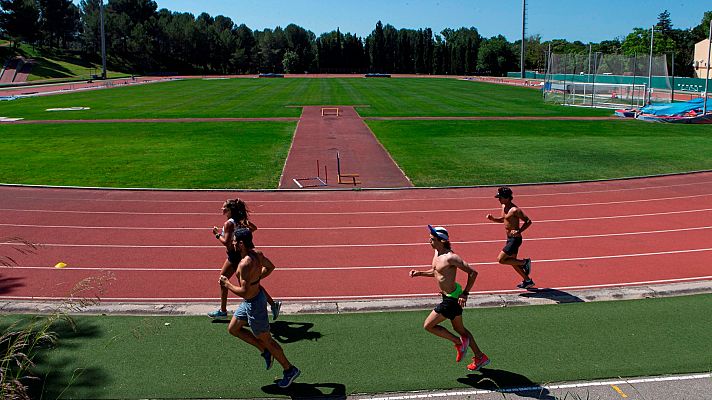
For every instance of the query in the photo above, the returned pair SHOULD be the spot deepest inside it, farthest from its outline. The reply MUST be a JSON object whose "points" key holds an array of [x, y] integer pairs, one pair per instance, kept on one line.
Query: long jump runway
{"points": [[157, 246]]}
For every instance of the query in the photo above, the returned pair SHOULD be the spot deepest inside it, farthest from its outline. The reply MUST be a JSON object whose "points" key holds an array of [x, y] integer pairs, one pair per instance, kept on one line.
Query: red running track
{"points": [[158, 246]]}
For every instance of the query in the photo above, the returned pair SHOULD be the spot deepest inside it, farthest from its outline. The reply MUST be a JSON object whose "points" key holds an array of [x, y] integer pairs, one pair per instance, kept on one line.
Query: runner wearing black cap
{"points": [[511, 216], [445, 266]]}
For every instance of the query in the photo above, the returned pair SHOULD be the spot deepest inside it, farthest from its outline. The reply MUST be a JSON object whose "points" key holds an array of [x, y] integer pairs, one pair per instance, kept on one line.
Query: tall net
{"points": [[606, 80]]}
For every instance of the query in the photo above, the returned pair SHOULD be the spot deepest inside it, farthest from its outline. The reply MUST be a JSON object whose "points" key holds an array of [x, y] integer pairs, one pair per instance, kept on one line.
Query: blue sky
{"points": [[587, 21]]}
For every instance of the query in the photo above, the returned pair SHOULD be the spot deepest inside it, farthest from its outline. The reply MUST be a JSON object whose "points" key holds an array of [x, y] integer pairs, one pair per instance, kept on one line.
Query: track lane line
{"points": [[202, 228], [378, 296], [331, 246], [379, 267], [256, 201]]}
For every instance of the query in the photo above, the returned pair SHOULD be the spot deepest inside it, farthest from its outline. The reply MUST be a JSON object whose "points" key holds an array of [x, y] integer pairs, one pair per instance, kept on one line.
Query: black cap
{"points": [[504, 192]]}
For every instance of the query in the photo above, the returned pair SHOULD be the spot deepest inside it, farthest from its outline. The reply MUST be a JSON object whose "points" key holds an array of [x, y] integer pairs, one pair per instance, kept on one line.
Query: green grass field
{"points": [[492, 152], [478, 152], [190, 357], [174, 155], [272, 98]]}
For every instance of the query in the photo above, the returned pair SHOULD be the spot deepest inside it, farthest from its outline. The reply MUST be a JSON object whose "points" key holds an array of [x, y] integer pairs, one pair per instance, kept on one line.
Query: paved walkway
{"points": [[319, 138]]}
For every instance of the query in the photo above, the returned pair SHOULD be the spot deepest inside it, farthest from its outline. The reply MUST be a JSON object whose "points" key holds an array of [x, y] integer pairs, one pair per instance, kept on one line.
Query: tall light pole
{"points": [[524, 28], [650, 66], [707, 78], [103, 39]]}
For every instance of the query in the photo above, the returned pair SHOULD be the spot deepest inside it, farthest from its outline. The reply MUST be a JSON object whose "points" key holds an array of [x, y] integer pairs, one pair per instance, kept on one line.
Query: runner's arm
{"points": [[527, 222], [429, 273], [240, 290], [471, 277]]}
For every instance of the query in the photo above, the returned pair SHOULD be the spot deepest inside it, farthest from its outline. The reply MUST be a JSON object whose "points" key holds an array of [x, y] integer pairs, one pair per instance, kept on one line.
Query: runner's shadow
{"points": [[290, 332], [325, 391], [7, 285], [498, 380], [556, 295]]}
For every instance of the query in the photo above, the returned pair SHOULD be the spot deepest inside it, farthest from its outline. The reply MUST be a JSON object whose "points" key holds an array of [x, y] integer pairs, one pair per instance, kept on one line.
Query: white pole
{"points": [[524, 27], [650, 66], [707, 78]]}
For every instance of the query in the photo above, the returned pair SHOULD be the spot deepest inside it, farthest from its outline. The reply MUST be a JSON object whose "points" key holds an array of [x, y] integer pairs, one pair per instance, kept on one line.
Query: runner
{"points": [[445, 266], [237, 216], [252, 267], [511, 215]]}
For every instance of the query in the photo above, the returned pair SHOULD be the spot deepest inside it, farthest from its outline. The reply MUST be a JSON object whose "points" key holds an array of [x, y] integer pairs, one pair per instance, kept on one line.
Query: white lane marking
{"points": [[333, 246], [358, 212], [378, 267], [256, 201], [202, 228], [582, 385], [376, 296]]}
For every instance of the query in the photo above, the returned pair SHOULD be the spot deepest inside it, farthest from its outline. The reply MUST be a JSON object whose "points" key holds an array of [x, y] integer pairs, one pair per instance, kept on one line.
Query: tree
{"points": [[20, 19], [702, 31], [496, 56], [59, 21], [291, 62], [664, 25]]}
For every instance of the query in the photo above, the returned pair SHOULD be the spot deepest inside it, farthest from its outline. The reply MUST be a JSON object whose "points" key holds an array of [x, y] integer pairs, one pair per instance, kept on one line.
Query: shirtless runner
{"points": [[445, 266], [251, 268], [511, 216]]}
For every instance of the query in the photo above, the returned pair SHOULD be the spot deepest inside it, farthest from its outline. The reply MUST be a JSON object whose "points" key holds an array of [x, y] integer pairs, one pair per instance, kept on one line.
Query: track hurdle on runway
{"points": [[343, 178], [326, 111], [315, 181]]}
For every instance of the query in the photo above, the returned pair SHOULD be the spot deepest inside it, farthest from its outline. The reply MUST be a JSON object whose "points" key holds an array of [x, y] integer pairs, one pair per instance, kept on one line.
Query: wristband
{"points": [[465, 293], [217, 236]]}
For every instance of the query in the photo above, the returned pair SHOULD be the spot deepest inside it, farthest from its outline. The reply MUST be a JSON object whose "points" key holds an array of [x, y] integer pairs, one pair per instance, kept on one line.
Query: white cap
{"points": [[439, 232]]}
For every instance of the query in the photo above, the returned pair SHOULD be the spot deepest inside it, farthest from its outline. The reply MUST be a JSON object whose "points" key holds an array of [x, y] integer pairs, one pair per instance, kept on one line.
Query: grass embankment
{"points": [[190, 357], [55, 65], [281, 97], [174, 155], [492, 152]]}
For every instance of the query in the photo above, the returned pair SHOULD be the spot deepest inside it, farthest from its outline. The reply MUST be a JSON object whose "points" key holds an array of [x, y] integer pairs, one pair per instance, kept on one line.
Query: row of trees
{"points": [[141, 38]]}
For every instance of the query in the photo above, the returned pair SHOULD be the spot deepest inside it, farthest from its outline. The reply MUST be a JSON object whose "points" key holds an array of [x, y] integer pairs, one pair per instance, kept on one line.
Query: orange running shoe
{"points": [[462, 348], [478, 362]]}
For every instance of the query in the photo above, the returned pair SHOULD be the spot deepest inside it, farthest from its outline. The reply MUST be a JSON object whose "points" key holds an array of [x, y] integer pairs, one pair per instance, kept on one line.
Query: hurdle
{"points": [[327, 110], [315, 181], [340, 177]]}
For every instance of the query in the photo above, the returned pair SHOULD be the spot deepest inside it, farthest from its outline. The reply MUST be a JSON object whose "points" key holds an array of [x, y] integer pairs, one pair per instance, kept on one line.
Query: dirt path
{"points": [[319, 138]]}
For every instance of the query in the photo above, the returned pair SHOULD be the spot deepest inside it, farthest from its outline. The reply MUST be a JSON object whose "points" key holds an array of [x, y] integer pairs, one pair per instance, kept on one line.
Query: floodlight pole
{"points": [[650, 67], [103, 39], [707, 78], [524, 27]]}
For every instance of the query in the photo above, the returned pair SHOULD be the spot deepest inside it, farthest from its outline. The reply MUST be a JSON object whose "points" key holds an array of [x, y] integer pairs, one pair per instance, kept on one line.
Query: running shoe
{"points": [[462, 348], [275, 309], [526, 284], [527, 266], [269, 358], [478, 362], [217, 314], [289, 376]]}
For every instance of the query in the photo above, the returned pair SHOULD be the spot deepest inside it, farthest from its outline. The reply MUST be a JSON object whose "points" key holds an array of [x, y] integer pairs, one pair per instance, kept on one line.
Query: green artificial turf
{"points": [[150, 155], [190, 357], [277, 98], [492, 152]]}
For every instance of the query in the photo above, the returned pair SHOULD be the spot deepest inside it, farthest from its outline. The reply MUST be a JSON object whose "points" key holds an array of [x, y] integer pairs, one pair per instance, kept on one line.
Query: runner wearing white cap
{"points": [[444, 270]]}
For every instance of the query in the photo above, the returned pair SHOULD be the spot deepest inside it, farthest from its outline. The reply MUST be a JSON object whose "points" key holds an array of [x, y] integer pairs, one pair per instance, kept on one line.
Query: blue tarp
{"points": [[677, 108]]}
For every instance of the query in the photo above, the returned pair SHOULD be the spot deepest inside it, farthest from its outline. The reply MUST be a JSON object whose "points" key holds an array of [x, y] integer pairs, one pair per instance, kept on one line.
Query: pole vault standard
{"points": [[707, 78]]}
